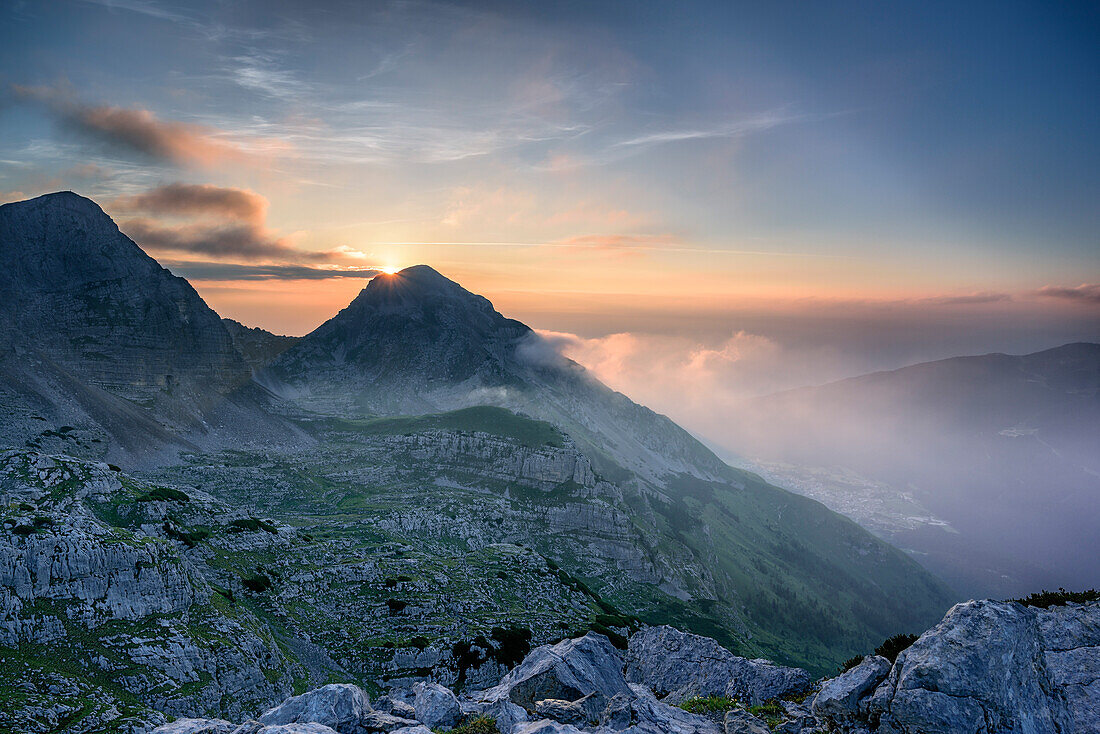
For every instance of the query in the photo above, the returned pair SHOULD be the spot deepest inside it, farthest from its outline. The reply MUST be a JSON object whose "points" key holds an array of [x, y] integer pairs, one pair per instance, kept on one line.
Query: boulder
{"points": [[419, 729], [654, 717], [679, 665], [983, 668], [739, 721], [435, 705], [196, 726], [507, 715], [839, 699], [376, 721], [580, 712], [255, 727], [565, 712], [1071, 650], [339, 706], [545, 726], [568, 670]]}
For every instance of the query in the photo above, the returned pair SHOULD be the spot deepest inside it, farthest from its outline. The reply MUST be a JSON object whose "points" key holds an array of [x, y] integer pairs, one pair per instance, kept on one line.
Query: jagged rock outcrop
{"points": [[134, 617], [988, 667], [566, 671], [339, 706], [679, 665], [839, 699]]}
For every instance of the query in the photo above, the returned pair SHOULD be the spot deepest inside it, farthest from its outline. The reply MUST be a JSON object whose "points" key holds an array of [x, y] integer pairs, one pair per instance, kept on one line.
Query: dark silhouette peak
{"points": [[414, 287], [61, 200]]}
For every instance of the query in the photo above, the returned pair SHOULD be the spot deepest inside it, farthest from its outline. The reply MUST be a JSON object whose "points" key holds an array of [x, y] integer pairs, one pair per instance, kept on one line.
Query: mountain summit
{"points": [[94, 330], [406, 332]]}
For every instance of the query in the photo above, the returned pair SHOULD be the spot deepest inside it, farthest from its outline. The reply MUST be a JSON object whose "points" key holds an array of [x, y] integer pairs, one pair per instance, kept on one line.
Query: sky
{"points": [[737, 196]]}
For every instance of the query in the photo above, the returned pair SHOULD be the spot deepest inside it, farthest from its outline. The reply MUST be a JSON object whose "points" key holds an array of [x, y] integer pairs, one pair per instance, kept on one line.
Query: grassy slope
{"points": [[812, 587], [483, 418]]}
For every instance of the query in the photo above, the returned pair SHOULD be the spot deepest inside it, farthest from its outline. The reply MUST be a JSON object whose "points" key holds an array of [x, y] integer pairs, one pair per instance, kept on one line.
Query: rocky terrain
{"points": [[420, 417], [418, 503], [988, 667]]}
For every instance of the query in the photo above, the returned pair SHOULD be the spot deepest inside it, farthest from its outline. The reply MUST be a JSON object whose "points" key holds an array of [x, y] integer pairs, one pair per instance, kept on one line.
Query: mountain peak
{"points": [[60, 200], [412, 289]]}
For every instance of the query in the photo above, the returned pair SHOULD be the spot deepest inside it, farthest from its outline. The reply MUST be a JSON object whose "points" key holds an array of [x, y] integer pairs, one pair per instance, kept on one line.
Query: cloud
{"points": [[733, 129], [1085, 293], [134, 131], [198, 199], [246, 240], [622, 241], [210, 271], [974, 298]]}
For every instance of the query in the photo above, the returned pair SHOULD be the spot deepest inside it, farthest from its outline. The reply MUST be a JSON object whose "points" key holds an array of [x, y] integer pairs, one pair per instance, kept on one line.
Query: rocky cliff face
{"points": [[99, 605]]}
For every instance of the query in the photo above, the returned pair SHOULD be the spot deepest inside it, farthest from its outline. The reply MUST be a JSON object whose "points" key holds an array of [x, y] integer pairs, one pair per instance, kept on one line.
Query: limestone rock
{"points": [[739, 721], [985, 668], [339, 706], [680, 665], [568, 670], [546, 726], [196, 726], [435, 705], [839, 699]]}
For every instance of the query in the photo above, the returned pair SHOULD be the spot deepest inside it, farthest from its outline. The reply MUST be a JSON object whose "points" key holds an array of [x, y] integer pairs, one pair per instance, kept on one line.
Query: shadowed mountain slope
{"points": [[96, 334]]}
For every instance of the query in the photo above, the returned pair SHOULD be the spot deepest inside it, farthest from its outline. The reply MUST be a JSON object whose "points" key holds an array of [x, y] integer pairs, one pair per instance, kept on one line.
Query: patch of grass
{"points": [[476, 725], [190, 538], [483, 419], [164, 494], [253, 524], [1046, 599], [714, 705], [771, 711]]}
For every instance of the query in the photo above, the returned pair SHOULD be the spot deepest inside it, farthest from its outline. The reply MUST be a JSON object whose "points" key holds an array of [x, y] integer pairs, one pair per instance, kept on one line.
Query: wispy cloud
{"points": [[212, 271], [135, 131], [966, 300], [1084, 293], [732, 129]]}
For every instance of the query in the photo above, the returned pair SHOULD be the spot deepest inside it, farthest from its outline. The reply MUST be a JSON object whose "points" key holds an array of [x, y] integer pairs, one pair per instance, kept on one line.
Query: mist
{"points": [[986, 470]]}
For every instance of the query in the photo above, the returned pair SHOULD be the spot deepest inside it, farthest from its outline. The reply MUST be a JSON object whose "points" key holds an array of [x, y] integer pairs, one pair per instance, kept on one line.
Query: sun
{"points": [[388, 269]]}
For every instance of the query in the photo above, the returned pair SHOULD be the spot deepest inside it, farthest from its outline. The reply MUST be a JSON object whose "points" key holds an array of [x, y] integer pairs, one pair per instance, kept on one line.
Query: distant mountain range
{"points": [[424, 442], [987, 468]]}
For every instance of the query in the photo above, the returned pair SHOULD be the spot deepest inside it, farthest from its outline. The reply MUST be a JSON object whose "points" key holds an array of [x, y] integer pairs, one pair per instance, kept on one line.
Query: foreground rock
{"points": [[679, 665], [339, 706], [987, 667], [566, 671]]}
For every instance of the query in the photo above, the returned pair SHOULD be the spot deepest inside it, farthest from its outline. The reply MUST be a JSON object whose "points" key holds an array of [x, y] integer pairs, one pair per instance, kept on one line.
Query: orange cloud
{"points": [[198, 199], [136, 131]]}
